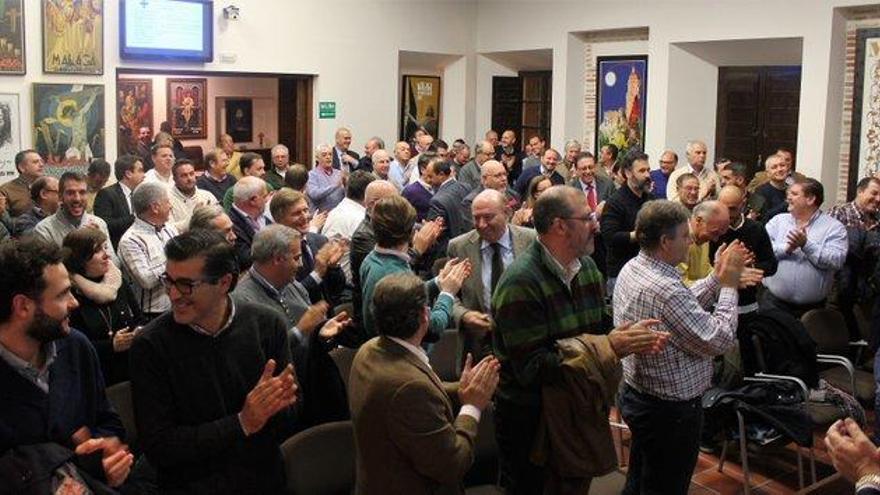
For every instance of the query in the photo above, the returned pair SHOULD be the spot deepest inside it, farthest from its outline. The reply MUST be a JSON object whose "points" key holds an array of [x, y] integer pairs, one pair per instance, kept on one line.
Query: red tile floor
{"points": [[772, 471]]}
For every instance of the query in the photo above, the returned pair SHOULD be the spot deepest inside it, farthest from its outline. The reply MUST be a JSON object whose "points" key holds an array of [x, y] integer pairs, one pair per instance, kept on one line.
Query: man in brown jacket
{"points": [[408, 440]]}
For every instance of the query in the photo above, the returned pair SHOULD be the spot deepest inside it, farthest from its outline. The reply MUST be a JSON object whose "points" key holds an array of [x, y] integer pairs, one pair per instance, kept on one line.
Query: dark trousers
{"points": [[768, 301], [665, 442], [515, 428]]}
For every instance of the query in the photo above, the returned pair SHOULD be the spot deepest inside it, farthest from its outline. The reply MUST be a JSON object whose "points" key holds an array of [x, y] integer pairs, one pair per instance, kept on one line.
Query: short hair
{"points": [[247, 187], [357, 184], [99, 166], [279, 146], [323, 147], [179, 163], [296, 177], [584, 154], [213, 156], [273, 241], [632, 156], [154, 150], [20, 156], [572, 144], [284, 199], [393, 219], [424, 159], [693, 144], [685, 177], [38, 186], [532, 189], [79, 247], [146, 195], [203, 216], [440, 165], [812, 187], [861, 186], [247, 160], [737, 168], [125, 163], [706, 210], [22, 263], [613, 149], [656, 219], [556, 202], [398, 303], [219, 255], [69, 176], [671, 152], [441, 144], [380, 143]]}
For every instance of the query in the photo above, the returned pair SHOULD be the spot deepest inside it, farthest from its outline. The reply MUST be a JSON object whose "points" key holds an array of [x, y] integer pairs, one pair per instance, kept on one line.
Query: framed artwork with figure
{"points": [[864, 154], [240, 120], [420, 106], [134, 110], [187, 106], [73, 37], [10, 135], [621, 89], [68, 125], [12, 56]]}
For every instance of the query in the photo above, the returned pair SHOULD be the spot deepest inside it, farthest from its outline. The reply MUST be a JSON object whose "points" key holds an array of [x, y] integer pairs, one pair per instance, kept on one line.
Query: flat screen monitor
{"points": [[172, 30]]}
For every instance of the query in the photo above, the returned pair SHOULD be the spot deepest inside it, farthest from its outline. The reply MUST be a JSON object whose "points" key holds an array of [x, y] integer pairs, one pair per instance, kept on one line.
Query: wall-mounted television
{"points": [[170, 30]]}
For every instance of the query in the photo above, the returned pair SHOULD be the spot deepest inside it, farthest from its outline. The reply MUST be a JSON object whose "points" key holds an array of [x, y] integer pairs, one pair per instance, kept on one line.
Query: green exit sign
{"points": [[327, 110]]}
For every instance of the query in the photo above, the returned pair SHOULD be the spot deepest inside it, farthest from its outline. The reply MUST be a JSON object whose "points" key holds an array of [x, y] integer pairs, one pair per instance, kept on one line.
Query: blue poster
{"points": [[621, 90]]}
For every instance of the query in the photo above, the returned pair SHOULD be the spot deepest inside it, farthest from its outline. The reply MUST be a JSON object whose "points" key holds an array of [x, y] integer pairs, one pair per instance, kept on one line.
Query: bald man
{"points": [[493, 175]]}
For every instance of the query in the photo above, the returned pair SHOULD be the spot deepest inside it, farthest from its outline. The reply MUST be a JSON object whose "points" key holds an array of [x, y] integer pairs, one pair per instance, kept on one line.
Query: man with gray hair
{"points": [[710, 183], [212, 217], [401, 167], [472, 171], [343, 158], [709, 221], [280, 165], [381, 164], [568, 165], [660, 400], [248, 215], [142, 247]]}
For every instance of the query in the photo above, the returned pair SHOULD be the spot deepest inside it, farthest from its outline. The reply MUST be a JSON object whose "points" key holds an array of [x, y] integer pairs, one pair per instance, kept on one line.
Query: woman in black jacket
{"points": [[107, 313]]}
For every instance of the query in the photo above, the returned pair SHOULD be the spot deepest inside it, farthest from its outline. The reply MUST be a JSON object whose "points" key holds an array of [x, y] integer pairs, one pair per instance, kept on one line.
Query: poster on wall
{"points": [[187, 103], [68, 124], [73, 37], [10, 135], [134, 111], [621, 87], [420, 106], [240, 120], [12, 59], [865, 144]]}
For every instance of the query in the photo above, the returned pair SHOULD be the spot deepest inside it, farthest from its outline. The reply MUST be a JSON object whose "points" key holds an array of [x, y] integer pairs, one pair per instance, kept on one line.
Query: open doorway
{"points": [[258, 110]]}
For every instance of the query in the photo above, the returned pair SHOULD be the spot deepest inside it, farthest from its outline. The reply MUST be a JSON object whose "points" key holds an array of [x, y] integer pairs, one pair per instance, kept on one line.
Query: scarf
{"points": [[101, 292]]}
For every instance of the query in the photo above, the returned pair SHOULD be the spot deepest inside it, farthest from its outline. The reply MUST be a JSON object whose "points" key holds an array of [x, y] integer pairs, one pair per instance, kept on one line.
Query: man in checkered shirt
{"points": [[660, 400]]}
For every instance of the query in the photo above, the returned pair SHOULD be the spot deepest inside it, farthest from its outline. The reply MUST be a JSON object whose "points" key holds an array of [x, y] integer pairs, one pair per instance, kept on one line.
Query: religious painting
{"points": [[68, 122], [134, 110], [73, 37], [187, 105], [621, 87], [10, 135], [420, 106], [12, 60], [865, 141], [240, 119]]}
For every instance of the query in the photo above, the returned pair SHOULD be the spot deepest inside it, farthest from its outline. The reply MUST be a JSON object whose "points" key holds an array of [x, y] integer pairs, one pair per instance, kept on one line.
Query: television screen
{"points": [[174, 30]]}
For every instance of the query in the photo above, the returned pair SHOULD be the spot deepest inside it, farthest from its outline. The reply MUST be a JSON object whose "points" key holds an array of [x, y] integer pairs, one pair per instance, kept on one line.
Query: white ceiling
{"points": [[768, 51]]}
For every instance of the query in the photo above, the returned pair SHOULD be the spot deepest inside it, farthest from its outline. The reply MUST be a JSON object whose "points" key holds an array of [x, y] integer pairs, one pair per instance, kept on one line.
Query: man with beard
{"points": [[185, 196], [619, 216], [52, 403], [71, 214], [548, 168]]}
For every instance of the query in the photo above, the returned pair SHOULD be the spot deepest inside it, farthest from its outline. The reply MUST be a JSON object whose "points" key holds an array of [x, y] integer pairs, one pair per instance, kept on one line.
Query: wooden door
{"points": [[507, 101], [295, 118]]}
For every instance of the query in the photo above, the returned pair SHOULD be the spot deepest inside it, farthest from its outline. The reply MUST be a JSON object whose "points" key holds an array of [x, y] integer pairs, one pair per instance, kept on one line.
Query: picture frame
{"points": [[420, 106], [239, 119], [73, 37], [68, 124], [621, 102], [10, 134], [13, 60], [134, 109], [187, 108], [864, 151]]}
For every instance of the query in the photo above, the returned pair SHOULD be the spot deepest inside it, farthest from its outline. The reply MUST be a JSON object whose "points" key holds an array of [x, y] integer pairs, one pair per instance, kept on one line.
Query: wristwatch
{"points": [[868, 481]]}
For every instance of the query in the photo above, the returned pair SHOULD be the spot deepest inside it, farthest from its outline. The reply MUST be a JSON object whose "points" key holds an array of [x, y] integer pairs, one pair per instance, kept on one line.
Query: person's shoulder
{"points": [[520, 231], [254, 315], [460, 241]]}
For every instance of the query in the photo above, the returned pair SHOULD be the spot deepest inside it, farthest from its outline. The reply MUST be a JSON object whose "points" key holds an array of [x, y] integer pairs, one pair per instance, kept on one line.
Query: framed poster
{"points": [[240, 120], [68, 124], [134, 110], [12, 58], [621, 88], [420, 106], [73, 37], [187, 105], [10, 135], [865, 141]]}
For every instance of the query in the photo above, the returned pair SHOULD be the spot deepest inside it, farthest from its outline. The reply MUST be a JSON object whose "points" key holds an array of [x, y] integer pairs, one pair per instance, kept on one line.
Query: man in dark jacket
{"points": [[113, 203]]}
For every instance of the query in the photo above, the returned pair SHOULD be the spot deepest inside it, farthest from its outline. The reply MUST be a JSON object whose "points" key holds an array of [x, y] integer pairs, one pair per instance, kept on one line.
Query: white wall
{"points": [[691, 104]]}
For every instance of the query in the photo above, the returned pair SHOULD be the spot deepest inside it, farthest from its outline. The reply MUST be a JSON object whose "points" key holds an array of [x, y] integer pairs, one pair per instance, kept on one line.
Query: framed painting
{"points": [[240, 120], [865, 141], [621, 88], [134, 110], [420, 106], [10, 135], [73, 37], [187, 105], [68, 122], [12, 57]]}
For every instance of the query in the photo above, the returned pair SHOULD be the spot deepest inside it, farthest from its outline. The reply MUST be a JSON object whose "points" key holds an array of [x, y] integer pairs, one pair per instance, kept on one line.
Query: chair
{"points": [[443, 356], [119, 396], [321, 460], [197, 155], [827, 328], [343, 357]]}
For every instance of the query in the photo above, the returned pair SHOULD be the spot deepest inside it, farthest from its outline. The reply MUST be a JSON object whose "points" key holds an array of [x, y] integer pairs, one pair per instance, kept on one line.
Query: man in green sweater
{"points": [[551, 291]]}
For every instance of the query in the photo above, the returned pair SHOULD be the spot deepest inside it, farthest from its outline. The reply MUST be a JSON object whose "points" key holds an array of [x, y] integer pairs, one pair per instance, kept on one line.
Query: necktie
{"points": [[307, 261], [497, 265], [591, 196]]}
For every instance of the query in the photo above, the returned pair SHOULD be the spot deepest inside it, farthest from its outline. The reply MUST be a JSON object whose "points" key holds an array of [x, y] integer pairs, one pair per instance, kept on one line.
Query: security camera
{"points": [[231, 12]]}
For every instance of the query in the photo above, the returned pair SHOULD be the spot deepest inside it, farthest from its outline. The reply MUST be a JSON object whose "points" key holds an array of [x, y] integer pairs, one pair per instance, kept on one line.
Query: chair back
{"points": [[443, 356], [321, 460], [343, 357], [119, 396], [827, 328]]}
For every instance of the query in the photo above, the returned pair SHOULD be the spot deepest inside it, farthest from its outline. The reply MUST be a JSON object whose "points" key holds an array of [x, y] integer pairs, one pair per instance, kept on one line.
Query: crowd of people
{"points": [[218, 291]]}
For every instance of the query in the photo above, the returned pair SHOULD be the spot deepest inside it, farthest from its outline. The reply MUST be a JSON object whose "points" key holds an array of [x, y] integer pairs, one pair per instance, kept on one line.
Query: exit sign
{"points": [[327, 110]]}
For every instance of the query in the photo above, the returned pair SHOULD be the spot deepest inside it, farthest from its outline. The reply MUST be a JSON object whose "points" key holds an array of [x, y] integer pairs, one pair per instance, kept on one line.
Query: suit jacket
{"points": [[419, 197], [350, 153], [333, 287], [470, 175], [244, 237], [604, 187], [111, 206], [446, 203], [408, 440]]}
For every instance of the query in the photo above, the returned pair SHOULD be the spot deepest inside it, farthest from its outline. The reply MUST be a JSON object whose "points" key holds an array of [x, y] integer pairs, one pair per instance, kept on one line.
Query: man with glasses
{"points": [[660, 176], [280, 165], [471, 172], [44, 194], [212, 379]]}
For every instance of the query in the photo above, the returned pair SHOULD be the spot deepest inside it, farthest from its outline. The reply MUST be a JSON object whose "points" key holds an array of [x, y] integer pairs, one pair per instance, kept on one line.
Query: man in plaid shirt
{"points": [[660, 400]]}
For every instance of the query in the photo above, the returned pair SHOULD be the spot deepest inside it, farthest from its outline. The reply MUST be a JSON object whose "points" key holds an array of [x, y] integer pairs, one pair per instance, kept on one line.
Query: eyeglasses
{"points": [[184, 286], [591, 218]]}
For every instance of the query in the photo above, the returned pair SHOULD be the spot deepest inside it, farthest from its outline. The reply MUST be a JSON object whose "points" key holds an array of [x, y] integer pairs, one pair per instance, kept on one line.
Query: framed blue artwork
{"points": [[621, 90]]}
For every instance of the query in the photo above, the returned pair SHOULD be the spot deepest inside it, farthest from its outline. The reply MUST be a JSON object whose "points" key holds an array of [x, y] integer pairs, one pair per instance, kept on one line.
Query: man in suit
{"points": [[420, 192], [490, 247], [113, 203], [470, 172], [494, 176], [408, 439], [248, 215], [446, 203], [343, 158], [548, 168], [597, 188]]}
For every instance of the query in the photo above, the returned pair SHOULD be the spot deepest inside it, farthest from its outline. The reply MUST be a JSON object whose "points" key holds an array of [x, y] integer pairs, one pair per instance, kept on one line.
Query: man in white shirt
{"points": [[343, 220], [710, 183], [401, 169], [163, 160], [185, 195]]}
